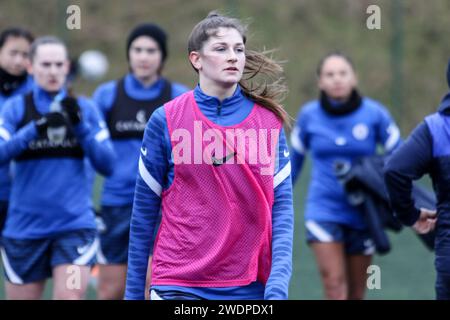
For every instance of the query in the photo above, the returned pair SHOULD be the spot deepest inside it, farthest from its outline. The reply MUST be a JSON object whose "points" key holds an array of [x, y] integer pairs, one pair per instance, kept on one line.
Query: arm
{"points": [[153, 166], [104, 97], [298, 139], [93, 136], [12, 142], [409, 162], [282, 228], [388, 132]]}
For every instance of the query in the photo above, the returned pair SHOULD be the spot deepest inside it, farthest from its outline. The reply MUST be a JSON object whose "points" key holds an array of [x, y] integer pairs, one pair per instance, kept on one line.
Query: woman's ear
{"points": [[319, 83], [194, 58], [67, 67], [355, 80], [29, 67]]}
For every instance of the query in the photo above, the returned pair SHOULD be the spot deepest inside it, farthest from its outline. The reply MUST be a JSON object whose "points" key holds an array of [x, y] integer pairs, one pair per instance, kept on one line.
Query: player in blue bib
{"points": [[50, 229], [340, 126]]}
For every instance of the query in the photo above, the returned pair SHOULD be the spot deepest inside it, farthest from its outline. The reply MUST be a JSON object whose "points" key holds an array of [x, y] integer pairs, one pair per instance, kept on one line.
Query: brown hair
{"points": [[15, 32], [267, 92], [46, 40], [335, 53]]}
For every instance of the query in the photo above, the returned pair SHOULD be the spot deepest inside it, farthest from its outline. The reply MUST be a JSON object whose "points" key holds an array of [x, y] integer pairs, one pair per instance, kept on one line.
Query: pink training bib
{"points": [[216, 228]]}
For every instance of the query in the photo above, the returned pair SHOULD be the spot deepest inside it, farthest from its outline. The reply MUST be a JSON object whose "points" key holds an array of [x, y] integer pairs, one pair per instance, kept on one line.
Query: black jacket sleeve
{"points": [[409, 162]]}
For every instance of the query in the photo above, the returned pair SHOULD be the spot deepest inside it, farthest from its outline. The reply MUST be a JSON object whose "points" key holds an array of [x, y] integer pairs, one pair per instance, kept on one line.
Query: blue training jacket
{"points": [[156, 173], [118, 189], [5, 175], [330, 138], [51, 195], [426, 151]]}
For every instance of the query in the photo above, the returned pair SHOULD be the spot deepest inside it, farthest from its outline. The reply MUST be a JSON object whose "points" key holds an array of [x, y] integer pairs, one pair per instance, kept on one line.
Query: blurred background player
{"points": [[127, 104], [226, 229], [340, 126], [50, 229], [14, 80], [426, 151]]}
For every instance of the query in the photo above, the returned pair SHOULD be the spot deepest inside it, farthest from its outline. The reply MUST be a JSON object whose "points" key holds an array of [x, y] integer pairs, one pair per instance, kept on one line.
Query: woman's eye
{"points": [[220, 49], [240, 49]]}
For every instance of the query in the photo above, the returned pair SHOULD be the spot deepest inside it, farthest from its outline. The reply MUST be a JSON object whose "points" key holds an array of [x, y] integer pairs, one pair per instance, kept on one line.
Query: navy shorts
{"points": [[172, 295], [113, 225], [443, 286], [356, 241], [442, 265], [3, 212], [114, 229], [32, 260]]}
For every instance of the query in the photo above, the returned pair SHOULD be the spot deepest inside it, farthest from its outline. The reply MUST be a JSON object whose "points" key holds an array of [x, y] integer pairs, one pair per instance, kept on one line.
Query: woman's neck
{"points": [[147, 81], [213, 90], [340, 108], [339, 100]]}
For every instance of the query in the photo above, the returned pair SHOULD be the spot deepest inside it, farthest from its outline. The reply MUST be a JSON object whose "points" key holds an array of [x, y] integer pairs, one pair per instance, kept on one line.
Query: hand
{"points": [[72, 109], [426, 222], [49, 120]]}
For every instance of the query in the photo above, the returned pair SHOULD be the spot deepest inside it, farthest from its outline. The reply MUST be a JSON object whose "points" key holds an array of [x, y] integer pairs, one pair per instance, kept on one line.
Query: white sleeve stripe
{"points": [[318, 231], [154, 295], [296, 142], [102, 135], [282, 175], [89, 254], [12, 275], [394, 136], [149, 180], [4, 134]]}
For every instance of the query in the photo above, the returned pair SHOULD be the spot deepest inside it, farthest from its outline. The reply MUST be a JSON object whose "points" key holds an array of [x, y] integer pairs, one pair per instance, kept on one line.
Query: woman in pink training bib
{"points": [[215, 163]]}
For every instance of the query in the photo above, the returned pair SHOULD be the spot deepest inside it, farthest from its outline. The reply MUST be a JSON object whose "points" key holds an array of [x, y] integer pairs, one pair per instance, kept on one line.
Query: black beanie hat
{"points": [[150, 30]]}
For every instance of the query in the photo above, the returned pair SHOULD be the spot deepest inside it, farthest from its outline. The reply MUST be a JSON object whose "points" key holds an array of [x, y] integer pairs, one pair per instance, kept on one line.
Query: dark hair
{"points": [[15, 32], [335, 53], [46, 40], [269, 92], [209, 27]]}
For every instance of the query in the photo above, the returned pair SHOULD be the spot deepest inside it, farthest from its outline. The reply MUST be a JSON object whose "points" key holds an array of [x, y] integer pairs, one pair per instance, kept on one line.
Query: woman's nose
{"points": [[232, 55]]}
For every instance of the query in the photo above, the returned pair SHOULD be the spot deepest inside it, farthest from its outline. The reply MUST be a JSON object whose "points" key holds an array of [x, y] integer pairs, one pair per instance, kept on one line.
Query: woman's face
{"points": [[222, 58], [337, 78], [145, 58], [50, 66], [14, 55]]}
